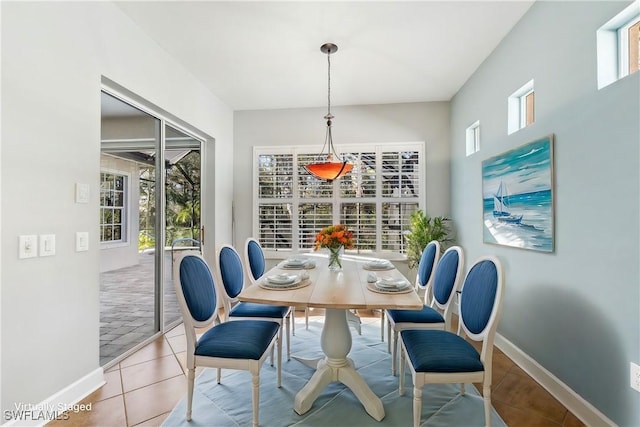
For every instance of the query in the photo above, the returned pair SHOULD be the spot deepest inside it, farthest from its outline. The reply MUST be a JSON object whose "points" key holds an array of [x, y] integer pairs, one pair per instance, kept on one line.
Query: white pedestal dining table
{"points": [[336, 292]]}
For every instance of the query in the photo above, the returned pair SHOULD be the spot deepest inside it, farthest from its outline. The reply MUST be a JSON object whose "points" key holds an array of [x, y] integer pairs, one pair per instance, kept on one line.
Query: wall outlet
{"points": [[635, 376]]}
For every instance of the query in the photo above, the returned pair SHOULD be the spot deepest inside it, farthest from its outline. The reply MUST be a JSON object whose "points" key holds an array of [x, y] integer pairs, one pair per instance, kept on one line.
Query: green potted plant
{"points": [[422, 230]]}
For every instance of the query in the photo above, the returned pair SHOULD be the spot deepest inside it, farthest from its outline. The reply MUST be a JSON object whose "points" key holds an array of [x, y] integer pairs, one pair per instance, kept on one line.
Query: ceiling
{"points": [[266, 55]]}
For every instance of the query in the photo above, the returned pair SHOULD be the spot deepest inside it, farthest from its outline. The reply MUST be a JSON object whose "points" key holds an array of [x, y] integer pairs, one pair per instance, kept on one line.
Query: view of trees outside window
{"points": [[182, 201]]}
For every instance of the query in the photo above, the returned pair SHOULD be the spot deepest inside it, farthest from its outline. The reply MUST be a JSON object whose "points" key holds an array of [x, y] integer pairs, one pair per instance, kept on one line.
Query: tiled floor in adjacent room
{"points": [[142, 389]]}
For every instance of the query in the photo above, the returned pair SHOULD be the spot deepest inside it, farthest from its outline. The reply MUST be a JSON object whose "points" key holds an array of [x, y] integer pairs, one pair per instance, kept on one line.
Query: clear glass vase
{"points": [[335, 263]]}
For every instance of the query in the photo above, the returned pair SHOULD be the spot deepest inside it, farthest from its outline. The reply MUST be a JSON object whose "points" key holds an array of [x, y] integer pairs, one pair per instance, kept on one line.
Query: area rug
{"points": [[229, 404]]}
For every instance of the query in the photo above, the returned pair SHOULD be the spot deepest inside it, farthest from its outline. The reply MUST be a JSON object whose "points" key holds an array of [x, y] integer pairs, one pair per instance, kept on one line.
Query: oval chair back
{"points": [[426, 267], [254, 259], [197, 289], [447, 278], [480, 299], [231, 274], [196, 294]]}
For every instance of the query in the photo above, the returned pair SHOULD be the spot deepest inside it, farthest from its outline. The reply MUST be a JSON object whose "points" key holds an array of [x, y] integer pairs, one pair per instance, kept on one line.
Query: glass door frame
{"points": [[114, 90]]}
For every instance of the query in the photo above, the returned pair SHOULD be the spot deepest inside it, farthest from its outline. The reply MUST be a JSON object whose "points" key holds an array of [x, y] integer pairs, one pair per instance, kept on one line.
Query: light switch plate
{"points": [[82, 193], [28, 246], [47, 244], [82, 241], [635, 376]]}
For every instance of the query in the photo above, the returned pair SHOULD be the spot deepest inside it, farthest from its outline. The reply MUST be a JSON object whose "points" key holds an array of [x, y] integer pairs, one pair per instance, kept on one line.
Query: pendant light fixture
{"points": [[333, 166]]}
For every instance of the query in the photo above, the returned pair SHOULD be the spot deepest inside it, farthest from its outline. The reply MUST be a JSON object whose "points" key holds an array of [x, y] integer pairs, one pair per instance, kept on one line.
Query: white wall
{"points": [[54, 56], [412, 122], [575, 311]]}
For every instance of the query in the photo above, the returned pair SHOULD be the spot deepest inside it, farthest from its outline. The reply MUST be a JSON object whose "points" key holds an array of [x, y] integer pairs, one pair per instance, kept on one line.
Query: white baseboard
{"points": [[585, 411], [43, 412]]}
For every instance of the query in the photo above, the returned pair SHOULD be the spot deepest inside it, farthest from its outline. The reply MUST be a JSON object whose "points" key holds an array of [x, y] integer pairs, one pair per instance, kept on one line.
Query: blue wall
{"points": [[574, 311]]}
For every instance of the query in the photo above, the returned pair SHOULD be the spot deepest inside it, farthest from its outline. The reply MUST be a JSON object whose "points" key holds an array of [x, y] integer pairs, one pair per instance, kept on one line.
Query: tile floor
{"points": [[142, 389]]}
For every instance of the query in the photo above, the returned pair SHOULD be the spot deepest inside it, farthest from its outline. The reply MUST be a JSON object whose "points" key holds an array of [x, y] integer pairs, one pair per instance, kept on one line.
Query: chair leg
{"points": [[279, 343], [417, 406], [219, 375], [306, 318], [191, 374], [255, 391], [354, 320], [388, 336], [462, 390], [382, 325], [279, 368], [293, 321], [288, 325], [272, 351], [394, 353], [486, 392], [401, 374]]}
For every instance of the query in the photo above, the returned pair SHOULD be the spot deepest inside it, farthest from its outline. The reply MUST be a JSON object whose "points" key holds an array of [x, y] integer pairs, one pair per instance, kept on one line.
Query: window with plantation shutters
{"points": [[113, 207], [375, 199]]}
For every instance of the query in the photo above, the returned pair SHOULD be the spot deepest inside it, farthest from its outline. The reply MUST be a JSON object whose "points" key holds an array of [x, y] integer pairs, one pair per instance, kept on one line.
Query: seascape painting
{"points": [[517, 189]]}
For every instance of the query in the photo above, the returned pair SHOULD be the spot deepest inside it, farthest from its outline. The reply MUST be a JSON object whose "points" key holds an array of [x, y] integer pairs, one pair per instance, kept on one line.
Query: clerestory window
{"points": [[473, 138], [618, 46], [521, 108]]}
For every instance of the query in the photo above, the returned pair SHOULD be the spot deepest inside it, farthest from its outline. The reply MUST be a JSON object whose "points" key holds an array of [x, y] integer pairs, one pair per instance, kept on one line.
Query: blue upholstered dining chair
{"points": [[232, 278], [437, 356], [426, 267], [438, 300], [234, 345], [255, 267]]}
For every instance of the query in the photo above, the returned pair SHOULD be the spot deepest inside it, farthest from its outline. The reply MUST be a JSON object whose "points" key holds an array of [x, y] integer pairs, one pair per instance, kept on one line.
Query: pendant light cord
{"points": [[329, 85], [331, 151]]}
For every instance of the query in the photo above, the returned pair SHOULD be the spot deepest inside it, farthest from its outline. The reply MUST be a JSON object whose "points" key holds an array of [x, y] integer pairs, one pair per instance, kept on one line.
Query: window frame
{"points": [[125, 210], [473, 138], [335, 198], [625, 48], [612, 45], [521, 108]]}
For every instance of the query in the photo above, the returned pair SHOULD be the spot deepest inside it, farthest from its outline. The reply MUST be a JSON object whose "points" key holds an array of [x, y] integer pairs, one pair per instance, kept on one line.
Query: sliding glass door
{"points": [[149, 206], [182, 208]]}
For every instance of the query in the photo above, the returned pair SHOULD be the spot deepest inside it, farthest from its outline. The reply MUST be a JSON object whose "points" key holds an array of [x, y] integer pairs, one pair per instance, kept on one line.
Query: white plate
{"points": [[297, 265], [391, 283], [380, 264], [298, 283], [392, 288], [374, 287], [282, 279], [296, 261]]}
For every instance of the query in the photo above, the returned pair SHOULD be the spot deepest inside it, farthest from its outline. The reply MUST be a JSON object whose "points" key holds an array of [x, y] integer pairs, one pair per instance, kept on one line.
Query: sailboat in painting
{"points": [[501, 206]]}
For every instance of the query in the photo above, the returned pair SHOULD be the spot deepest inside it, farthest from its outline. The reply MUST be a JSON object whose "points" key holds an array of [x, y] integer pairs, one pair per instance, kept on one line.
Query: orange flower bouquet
{"points": [[334, 238]]}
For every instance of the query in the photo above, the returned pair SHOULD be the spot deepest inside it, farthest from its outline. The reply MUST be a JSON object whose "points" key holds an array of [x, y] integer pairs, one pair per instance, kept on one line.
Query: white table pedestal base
{"points": [[336, 344]]}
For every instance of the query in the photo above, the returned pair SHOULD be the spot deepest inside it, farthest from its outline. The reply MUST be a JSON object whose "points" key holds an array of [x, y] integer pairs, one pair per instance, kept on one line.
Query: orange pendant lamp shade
{"points": [[333, 166], [329, 171]]}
